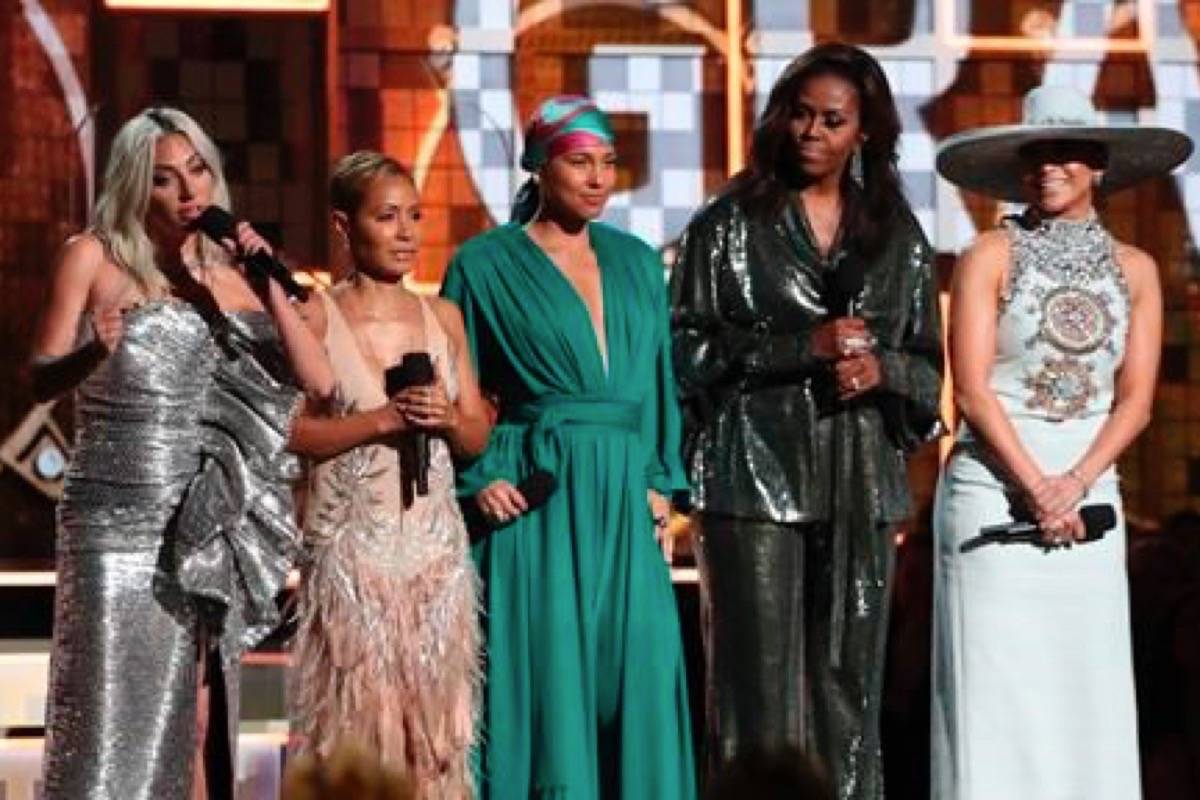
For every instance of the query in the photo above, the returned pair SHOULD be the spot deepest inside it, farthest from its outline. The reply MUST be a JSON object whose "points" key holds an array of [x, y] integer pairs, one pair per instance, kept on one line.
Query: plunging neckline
{"points": [[602, 352], [369, 362]]}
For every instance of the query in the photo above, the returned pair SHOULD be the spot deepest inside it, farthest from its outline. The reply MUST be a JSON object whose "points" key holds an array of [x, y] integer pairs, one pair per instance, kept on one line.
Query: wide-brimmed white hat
{"points": [[987, 160]]}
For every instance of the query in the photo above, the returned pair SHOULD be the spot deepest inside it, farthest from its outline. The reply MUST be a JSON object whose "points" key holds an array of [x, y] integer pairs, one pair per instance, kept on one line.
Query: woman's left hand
{"points": [[857, 374], [428, 406], [660, 511]]}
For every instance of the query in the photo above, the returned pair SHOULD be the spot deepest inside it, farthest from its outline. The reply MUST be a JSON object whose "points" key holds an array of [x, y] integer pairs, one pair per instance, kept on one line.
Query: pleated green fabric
{"points": [[586, 695]]}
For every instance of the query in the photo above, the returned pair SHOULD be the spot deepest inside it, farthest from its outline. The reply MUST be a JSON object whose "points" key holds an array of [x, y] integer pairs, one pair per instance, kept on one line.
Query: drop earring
{"points": [[856, 166]]}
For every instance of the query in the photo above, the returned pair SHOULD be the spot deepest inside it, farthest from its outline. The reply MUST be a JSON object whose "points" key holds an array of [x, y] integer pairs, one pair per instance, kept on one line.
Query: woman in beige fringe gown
{"points": [[387, 652]]}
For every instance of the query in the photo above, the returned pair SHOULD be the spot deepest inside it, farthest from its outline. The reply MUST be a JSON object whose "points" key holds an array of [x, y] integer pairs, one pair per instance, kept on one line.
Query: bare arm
{"points": [[304, 350], [470, 424], [316, 434], [321, 437], [57, 365], [1134, 395], [974, 302]]}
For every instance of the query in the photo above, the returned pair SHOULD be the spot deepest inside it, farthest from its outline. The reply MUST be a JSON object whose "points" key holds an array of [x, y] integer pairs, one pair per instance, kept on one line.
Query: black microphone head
{"points": [[415, 369], [1098, 520], [537, 488], [846, 284], [420, 366], [216, 223], [849, 278]]}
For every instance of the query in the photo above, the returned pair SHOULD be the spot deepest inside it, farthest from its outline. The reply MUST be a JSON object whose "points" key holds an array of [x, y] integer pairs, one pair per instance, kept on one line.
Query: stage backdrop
{"points": [[442, 85]]}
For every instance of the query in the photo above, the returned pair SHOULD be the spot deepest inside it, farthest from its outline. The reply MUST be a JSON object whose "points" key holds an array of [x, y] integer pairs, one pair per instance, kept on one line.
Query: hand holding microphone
{"points": [[1096, 519], [255, 255], [406, 381], [500, 502]]}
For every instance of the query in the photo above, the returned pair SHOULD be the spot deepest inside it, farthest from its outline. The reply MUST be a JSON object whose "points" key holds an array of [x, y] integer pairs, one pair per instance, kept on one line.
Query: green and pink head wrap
{"points": [[560, 124]]}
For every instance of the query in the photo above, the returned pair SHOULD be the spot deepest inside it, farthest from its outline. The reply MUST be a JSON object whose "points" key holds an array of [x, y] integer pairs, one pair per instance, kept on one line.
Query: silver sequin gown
{"points": [[176, 521], [1033, 693]]}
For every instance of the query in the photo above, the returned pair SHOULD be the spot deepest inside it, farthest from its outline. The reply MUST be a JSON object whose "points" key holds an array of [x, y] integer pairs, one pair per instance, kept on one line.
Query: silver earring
{"points": [[856, 166]]}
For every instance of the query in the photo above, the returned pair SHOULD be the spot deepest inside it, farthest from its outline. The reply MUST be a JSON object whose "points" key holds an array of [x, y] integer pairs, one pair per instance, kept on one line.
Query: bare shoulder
{"points": [[990, 245], [1139, 271], [448, 314], [312, 311], [985, 260], [1133, 260], [83, 253]]}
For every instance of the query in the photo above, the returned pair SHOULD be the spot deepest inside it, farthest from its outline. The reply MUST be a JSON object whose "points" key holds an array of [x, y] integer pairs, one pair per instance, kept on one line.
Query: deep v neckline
{"points": [[368, 362], [602, 351]]}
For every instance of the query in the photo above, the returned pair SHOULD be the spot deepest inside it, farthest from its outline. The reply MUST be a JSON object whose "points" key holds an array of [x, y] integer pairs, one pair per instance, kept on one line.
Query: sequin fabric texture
{"points": [[1063, 320], [175, 527]]}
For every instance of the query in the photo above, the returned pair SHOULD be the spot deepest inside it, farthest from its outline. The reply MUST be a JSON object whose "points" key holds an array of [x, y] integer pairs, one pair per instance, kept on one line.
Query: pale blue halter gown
{"points": [[1033, 694]]}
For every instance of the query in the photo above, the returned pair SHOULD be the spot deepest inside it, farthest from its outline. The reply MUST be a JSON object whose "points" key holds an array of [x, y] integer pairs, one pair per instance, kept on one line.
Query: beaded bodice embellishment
{"points": [[1065, 278]]}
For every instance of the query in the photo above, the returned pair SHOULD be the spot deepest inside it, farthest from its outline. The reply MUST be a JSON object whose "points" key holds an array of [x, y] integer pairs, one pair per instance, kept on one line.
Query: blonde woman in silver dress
{"points": [[175, 529], [1055, 330], [387, 653]]}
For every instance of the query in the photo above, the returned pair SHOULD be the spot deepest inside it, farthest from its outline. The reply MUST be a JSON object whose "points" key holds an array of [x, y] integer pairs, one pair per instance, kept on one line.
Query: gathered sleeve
{"points": [[661, 421], [491, 464], [912, 366], [711, 349]]}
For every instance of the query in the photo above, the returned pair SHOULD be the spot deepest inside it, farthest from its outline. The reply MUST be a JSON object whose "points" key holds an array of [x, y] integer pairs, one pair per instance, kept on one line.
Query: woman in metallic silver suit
{"points": [[807, 345], [175, 528]]}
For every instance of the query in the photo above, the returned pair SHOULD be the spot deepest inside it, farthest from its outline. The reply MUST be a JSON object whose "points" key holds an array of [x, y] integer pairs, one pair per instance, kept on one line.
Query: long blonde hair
{"points": [[119, 219]]}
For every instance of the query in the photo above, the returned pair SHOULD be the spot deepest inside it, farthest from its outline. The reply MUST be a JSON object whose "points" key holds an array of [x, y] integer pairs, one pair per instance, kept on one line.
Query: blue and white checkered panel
{"points": [[1168, 19], [483, 14], [794, 16], [667, 89], [1085, 18], [912, 82], [486, 125], [781, 15], [1178, 89]]}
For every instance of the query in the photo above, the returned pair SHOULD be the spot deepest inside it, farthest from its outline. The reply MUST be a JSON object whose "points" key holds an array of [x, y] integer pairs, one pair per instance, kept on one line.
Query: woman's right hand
{"points": [[390, 418], [1063, 530], [841, 337], [1055, 495], [501, 502], [108, 324]]}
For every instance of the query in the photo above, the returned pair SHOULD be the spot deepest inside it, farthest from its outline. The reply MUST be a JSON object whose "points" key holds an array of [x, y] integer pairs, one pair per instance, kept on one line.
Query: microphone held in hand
{"points": [[1097, 520], [218, 224], [537, 488], [415, 369], [845, 286]]}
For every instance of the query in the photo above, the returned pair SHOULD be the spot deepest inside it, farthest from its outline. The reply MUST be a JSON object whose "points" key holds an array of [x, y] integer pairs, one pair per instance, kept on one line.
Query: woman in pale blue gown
{"points": [[1055, 330]]}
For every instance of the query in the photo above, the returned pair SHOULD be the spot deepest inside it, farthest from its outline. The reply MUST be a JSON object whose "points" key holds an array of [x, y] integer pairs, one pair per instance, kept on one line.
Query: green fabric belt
{"points": [[546, 415]]}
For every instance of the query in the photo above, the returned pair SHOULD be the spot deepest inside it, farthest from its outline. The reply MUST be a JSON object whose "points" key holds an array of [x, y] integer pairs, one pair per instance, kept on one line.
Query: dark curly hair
{"points": [[763, 186]]}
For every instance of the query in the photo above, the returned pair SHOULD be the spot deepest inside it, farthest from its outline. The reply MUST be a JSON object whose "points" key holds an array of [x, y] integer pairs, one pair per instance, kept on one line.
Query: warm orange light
{"points": [[735, 74], [290, 6]]}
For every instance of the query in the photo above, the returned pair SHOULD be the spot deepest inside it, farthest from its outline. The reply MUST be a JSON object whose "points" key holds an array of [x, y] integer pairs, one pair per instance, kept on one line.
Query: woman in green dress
{"points": [[586, 695]]}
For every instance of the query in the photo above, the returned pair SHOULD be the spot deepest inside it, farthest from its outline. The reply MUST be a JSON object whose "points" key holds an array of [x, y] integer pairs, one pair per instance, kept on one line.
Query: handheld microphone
{"points": [[849, 278], [415, 369], [1097, 520], [537, 488], [217, 224]]}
